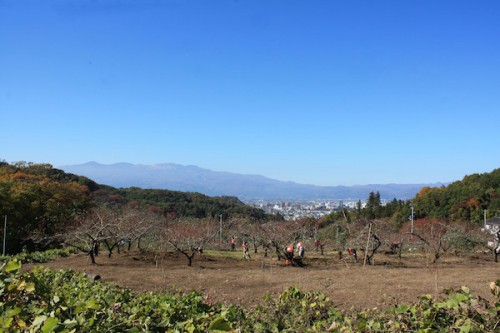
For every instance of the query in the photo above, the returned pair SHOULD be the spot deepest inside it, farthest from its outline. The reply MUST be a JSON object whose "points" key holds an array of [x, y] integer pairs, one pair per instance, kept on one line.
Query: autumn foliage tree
{"points": [[38, 200], [462, 200]]}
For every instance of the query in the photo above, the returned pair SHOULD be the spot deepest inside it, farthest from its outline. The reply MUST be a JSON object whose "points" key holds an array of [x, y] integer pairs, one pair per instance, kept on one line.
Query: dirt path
{"points": [[235, 281]]}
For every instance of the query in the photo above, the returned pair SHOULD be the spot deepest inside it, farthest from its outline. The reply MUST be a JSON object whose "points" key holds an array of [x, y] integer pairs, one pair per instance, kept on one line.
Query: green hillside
{"points": [[39, 200]]}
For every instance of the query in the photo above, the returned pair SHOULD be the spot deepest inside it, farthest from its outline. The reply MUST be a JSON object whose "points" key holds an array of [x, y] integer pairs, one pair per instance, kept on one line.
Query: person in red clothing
{"points": [[352, 253], [233, 243]]}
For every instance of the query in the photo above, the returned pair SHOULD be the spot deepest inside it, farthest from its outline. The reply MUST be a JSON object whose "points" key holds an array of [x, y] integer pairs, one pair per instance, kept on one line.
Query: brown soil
{"points": [[227, 278]]}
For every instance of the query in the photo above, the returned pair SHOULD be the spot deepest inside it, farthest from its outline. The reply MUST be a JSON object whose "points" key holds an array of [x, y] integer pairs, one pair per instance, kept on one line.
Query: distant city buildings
{"points": [[295, 210]]}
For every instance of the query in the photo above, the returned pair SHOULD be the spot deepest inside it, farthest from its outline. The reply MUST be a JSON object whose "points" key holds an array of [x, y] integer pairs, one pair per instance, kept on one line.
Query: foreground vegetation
{"points": [[64, 301], [39, 256]]}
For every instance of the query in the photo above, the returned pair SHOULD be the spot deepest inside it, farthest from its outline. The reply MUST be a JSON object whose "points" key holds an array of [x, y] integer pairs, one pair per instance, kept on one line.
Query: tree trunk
{"points": [[109, 247], [374, 250], [92, 257]]}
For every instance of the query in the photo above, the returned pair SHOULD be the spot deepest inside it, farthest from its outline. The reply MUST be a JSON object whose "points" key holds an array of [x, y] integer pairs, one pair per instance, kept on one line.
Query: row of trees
{"points": [[190, 236], [110, 229]]}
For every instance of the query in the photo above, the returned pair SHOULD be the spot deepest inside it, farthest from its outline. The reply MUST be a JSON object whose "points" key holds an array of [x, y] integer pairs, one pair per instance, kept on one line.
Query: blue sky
{"points": [[317, 92]]}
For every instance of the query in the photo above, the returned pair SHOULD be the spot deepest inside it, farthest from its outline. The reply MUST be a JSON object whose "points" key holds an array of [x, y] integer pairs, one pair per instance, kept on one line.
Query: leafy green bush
{"points": [[297, 311], [39, 256], [64, 301], [292, 310]]}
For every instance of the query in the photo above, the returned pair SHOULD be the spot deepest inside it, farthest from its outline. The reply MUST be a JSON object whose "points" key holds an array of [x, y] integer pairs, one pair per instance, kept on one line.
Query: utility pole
{"points": [[411, 220], [337, 235], [4, 234], [220, 232], [484, 211]]}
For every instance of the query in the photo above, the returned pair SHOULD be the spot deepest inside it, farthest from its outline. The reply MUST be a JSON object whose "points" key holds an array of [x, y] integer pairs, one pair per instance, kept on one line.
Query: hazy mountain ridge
{"points": [[192, 178]]}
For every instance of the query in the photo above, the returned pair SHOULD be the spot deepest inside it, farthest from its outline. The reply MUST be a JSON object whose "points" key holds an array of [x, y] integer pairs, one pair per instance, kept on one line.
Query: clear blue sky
{"points": [[317, 92]]}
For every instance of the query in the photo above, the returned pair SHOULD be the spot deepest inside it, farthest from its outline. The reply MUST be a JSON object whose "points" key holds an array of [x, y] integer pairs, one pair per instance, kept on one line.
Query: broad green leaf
{"points": [[92, 304], [13, 312], [39, 321], [402, 308], [133, 330], [70, 323], [50, 324], [21, 324], [6, 322], [466, 327], [13, 266], [220, 324]]}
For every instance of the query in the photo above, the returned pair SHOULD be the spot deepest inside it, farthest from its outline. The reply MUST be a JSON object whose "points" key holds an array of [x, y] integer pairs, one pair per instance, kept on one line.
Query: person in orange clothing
{"points": [[289, 255], [233, 243]]}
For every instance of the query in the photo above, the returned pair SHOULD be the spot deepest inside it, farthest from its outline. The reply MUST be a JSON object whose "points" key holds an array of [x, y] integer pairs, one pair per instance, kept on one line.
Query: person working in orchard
{"points": [[245, 251], [300, 249], [289, 255], [233, 243], [352, 253]]}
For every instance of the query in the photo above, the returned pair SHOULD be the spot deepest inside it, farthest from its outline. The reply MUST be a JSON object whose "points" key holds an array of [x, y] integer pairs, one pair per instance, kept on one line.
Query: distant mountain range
{"points": [[213, 183]]}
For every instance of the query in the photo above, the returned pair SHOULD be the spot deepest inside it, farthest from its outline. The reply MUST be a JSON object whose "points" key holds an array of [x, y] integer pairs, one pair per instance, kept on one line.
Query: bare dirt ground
{"points": [[224, 277]]}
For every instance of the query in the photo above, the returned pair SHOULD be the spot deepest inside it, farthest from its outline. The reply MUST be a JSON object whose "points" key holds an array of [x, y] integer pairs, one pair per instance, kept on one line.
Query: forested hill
{"points": [[51, 185], [38, 197], [184, 204], [463, 200]]}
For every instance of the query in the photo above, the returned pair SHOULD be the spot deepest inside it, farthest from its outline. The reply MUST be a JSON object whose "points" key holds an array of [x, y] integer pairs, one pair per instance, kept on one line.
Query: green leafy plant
{"points": [[64, 301]]}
